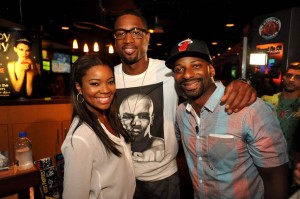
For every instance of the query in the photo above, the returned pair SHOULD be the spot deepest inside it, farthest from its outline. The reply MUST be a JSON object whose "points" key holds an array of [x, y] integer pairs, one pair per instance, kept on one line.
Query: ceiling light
{"points": [[229, 25], [110, 49], [75, 44], [65, 27], [295, 63], [85, 48], [96, 47], [156, 29]]}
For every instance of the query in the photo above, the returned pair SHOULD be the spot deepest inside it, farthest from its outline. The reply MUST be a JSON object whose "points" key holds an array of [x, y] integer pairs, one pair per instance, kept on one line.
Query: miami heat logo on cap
{"points": [[184, 45]]}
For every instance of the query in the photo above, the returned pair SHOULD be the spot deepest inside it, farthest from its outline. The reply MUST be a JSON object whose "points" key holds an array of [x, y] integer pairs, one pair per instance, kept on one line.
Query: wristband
{"points": [[245, 80]]}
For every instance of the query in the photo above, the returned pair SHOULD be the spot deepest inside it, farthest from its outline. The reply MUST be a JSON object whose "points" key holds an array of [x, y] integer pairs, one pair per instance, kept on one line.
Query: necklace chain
{"points": [[136, 101]]}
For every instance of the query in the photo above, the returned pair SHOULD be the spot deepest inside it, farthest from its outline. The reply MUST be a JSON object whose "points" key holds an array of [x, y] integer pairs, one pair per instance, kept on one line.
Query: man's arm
{"points": [[238, 94], [275, 181]]}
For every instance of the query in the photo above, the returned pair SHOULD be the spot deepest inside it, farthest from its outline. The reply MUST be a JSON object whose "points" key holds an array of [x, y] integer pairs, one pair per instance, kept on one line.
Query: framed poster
{"points": [[20, 55]]}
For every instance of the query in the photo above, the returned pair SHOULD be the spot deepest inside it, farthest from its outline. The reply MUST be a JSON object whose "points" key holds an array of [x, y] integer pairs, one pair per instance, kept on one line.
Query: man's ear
{"points": [[212, 71], [148, 37]]}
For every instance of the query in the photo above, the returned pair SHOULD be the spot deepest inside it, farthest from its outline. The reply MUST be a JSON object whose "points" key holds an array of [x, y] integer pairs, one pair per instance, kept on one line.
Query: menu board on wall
{"points": [[19, 63]]}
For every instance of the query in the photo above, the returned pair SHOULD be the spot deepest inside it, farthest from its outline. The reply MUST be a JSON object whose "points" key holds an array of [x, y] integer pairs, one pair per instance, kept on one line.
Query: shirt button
{"points": [[200, 158], [198, 137], [200, 181]]}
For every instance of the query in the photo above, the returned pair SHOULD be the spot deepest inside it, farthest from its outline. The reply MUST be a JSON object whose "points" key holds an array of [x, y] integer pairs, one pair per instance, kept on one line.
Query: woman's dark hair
{"points": [[23, 40], [80, 110]]}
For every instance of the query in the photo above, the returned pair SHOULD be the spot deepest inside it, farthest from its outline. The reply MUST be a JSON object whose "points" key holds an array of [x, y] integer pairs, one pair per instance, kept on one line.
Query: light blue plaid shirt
{"points": [[222, 156]]}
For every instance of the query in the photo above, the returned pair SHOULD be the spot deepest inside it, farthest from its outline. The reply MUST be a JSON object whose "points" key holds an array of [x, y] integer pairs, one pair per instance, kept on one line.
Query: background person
{"points": [[137, 73], [96, 151], [57, 87], [22, 71], [287, 104], [241, 155]]}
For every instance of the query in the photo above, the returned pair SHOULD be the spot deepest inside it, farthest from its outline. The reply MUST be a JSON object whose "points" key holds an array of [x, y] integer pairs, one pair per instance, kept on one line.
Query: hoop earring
{"points": [[80, 100]]}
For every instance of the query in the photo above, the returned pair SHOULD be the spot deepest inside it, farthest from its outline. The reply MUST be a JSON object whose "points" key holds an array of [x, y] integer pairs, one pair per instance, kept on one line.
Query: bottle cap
{"points": [[22, 134]]}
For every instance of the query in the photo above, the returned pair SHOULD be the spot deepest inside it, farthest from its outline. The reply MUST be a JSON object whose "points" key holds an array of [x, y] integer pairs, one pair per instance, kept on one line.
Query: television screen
{"points": [[233, 72], [74, 58], [61, 63], [46, 65], [44, 54], [258, 58], [271, 62]]}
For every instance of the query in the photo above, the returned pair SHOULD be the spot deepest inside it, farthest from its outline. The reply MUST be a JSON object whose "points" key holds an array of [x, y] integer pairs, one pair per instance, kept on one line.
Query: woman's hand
{"points": [[26, 65], [238, 94]]}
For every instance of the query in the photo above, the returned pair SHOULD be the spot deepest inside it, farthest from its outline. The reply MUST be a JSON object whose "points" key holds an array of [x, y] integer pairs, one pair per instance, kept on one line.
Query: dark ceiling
{"points": [[180, 19]]}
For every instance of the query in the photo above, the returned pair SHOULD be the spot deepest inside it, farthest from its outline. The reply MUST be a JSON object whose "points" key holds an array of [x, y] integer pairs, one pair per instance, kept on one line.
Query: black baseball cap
{"points": [[188, 47]]}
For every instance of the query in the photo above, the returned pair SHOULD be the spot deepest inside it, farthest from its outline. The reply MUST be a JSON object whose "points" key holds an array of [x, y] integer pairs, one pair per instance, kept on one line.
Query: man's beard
{"points": [[129, 61], [193, 95], [289, 89]]}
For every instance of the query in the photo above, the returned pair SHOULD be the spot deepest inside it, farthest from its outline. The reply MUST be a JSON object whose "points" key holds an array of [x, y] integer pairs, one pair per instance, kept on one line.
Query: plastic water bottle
{"points": [[23, 150]]}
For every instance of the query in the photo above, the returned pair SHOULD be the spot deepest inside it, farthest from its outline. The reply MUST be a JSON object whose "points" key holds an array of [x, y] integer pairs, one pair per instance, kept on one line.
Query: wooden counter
{"points": [[46, 126], [13, 181], [28, 101]]}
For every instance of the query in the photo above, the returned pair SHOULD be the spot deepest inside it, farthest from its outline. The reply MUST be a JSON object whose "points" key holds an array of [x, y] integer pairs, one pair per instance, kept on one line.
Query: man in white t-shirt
{"points": [[138, 74]]}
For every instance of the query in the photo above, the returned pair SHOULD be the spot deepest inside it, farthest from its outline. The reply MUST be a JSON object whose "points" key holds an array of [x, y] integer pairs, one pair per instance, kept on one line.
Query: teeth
{"points": [[103, 100]]}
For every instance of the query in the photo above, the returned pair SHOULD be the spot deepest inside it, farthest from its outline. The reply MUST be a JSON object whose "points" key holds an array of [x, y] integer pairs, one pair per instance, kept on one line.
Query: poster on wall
{"points": [[19, 64]]}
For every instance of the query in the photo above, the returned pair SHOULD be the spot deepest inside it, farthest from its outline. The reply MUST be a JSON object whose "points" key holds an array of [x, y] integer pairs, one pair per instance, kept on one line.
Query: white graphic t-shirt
{"points": [[147, 104]]}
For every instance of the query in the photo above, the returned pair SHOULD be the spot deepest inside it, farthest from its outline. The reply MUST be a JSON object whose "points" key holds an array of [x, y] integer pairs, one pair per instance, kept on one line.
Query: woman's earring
{"points": [[80, 98]]}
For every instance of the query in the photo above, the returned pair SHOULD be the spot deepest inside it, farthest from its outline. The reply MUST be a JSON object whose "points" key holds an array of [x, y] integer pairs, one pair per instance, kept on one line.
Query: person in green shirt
{"points": [[287, 105]]}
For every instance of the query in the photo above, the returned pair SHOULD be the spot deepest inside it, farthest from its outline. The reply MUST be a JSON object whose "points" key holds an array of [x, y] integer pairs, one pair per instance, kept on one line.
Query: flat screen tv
{"points": [[61, 63], [46, 65], [74, 58]]}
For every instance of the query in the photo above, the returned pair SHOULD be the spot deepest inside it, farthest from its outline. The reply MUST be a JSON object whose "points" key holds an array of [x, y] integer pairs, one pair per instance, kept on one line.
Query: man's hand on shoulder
{"points": [[238, 94]]}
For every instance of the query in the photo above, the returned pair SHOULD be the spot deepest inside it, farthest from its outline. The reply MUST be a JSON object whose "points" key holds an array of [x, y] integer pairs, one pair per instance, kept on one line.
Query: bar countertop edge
{"points": [[36, 101]]}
